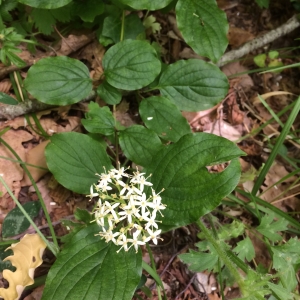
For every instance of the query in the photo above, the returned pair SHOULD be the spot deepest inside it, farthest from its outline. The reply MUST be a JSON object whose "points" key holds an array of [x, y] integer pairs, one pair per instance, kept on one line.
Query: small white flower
{"points": [[92, 194], [111, 209], [143, 203], [119, 173], [109, 235], [153, 235], [136, 241], [100, 213], [151, 222], [142, 181], [122, 241]]}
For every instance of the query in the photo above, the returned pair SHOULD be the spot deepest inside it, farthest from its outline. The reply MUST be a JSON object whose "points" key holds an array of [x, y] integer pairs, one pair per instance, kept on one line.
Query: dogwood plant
{"points": [[124, 213]]}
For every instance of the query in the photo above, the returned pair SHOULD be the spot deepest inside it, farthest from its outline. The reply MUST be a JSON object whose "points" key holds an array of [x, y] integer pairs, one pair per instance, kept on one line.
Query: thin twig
{"points": [[190, 282], [261, 41]]}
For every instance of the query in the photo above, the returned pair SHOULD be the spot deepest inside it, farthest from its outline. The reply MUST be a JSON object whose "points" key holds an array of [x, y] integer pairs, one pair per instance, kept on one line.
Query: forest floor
{"points": [[234, 118]]}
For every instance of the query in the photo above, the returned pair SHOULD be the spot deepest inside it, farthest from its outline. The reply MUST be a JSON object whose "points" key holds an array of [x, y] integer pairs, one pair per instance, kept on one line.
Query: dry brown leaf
{"points": [[10, 171], [238, 36], [93, 53], [36, 294], [36, 157], [26, 258], [44, 190], [223, 129], [74, 42], [244, 81], [5, 85], [276, 173]]}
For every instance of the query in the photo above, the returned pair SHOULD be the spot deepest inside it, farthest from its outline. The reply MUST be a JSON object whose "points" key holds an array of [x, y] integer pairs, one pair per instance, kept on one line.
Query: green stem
{"points": [[122, 26], [55, 251], [49, 245], [154, 268], [222, 255], [276, 148]]}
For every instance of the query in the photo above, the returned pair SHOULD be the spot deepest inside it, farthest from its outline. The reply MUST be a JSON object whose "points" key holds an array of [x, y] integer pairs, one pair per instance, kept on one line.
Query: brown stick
{"points": [[261, 41]]}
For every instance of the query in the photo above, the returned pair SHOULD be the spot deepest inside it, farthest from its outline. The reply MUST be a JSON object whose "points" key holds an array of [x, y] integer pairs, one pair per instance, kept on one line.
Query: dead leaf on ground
{"points": [[11, 171], [5, 85], [74, 42], [36, 157], [238, 36]]}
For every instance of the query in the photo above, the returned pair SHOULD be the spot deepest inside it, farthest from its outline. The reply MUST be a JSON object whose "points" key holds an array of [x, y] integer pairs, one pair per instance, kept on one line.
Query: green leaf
{"points": [[83, 215], [203, 26], [87, 10], [48, 4], [4, 98], [99, 120], [199, 261], [268, 227], [140, 144], [112, 26], [280, 291], [190, 190], [131, 65], [285, 260], [43, 20], [109, 94], [193, 84], [62, 14], [74, 159], [245, 249], [146, 4], [59, 80], [3, 254], [260, 60], [163, 117], [90, 268], [15, 222], [263, 3]]}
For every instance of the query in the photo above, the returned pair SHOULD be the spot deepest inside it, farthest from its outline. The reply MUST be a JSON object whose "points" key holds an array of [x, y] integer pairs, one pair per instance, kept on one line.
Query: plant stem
{"points": [[222, 255], [275, 150], [154, 268], [122, 26], [49, 245], [55, 251]]}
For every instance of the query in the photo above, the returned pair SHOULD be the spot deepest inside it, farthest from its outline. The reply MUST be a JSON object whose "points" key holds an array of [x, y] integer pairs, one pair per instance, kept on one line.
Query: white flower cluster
{"points": [[124, 213]]}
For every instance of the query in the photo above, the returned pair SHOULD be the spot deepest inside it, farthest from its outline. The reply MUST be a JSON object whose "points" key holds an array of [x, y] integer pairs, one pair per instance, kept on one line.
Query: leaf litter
{"points": [[234, 118]]}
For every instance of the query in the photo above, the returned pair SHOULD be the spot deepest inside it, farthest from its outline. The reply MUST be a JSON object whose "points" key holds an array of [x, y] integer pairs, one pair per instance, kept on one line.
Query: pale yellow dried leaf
{"points": [[26, 258]]}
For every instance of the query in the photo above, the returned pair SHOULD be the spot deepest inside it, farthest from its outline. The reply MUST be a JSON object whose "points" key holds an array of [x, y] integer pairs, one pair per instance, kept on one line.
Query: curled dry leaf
{"points": [[74, 42], [36, 157], [5, 86], [11, 171], [26, 258]]}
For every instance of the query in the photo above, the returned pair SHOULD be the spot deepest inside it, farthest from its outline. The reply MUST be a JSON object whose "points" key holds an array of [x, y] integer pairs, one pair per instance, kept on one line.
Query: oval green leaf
{"points": [[109, 94], [131, 65], [190, 190], [203, 26], [4, 98], [163, 117], [146, 4], [15, 222], [140, 144], [99, 120], [193, 84], [74, 159], [49, 4], [90, 268], [59, 80]]}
